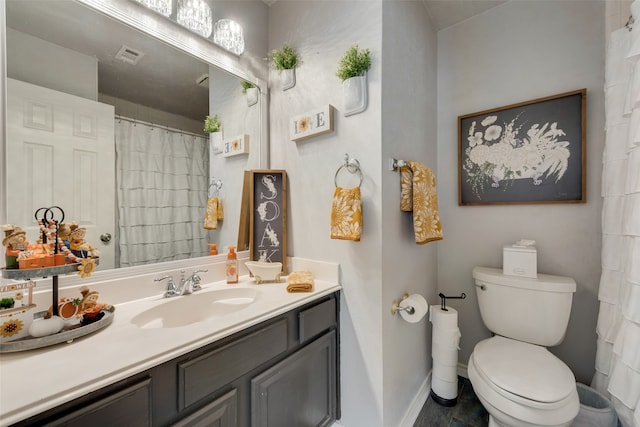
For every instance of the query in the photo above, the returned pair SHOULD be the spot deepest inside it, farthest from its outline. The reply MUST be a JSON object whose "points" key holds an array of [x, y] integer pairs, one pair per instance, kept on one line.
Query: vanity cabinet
{"points": [[281, 372]]}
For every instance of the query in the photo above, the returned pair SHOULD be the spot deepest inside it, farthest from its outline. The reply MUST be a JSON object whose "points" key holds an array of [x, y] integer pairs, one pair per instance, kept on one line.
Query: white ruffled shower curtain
{"points": [[162, 178], [618, 354]]}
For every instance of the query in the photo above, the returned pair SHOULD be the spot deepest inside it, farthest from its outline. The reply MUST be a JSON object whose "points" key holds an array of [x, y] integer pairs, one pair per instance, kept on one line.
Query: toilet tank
{"points": [[525, 309]]}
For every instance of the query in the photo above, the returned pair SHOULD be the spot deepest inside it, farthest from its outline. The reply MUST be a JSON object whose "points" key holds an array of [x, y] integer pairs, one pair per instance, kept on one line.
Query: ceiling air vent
{"points": [[129, 55]]}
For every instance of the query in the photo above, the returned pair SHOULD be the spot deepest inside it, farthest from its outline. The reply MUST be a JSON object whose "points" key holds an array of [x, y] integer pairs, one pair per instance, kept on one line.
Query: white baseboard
{"points": [[417, 403], [411, 415], [462, 370]]}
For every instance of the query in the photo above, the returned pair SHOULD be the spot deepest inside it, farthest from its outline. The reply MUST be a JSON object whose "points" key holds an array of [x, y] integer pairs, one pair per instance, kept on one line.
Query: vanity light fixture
{"points": [[196, 16], [228, 35], [163, 7]]}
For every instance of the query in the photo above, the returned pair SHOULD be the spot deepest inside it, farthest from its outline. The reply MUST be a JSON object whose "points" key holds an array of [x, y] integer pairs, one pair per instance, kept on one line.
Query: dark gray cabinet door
{"points": [[221, 412], [300, 391]]}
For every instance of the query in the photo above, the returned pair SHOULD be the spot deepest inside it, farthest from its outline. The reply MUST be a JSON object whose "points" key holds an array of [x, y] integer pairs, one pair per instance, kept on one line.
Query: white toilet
{"points": [[519, 382]]}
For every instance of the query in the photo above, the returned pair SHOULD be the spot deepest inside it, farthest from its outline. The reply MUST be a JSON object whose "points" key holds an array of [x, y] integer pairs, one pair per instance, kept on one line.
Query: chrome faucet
{"points": [[171, 290], [186, 285]]}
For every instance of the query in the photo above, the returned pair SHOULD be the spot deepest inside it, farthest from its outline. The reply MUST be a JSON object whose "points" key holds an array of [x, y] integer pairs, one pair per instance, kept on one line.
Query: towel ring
{"points": [[216, 183], [352, 166]]}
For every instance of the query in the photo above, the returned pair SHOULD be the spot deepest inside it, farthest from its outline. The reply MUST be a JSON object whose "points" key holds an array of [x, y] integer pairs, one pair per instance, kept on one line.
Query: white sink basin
{"points": [[197, 307]]}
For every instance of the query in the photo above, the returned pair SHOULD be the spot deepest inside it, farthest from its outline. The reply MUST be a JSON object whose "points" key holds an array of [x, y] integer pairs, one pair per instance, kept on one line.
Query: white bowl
{"points": [[265, 271]]}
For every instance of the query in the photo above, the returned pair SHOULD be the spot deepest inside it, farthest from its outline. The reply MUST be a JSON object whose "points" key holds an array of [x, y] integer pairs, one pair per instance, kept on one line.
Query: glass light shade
{"points": [[228, 35], [163, 7], [196, 16]]}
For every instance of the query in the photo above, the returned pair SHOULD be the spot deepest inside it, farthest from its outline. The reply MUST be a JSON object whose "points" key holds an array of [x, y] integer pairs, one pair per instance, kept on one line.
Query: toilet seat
{"points": [[524, 382], [525, 370]]}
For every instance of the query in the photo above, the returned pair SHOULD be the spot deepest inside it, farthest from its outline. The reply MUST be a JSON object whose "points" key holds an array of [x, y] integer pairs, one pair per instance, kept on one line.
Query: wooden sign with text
{"points": [[312, 123], [268, 219], [235, 146]]}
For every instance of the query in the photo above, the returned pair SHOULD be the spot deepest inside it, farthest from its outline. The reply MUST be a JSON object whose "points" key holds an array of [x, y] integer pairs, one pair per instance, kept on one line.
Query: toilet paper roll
{"points": [[420, 308]]}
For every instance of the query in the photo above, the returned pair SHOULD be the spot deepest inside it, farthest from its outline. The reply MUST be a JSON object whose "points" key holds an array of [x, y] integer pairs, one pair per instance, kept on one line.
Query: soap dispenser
{"points": [[232, 265]]}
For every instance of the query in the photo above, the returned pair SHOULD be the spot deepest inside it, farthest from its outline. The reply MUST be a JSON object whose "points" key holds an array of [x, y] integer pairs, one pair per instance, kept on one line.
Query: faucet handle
{"points": [[171, 290], [196, 279]]}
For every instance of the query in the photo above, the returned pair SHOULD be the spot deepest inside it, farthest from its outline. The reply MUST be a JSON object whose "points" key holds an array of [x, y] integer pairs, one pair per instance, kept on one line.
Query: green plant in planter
{"points": [[355, 62], [284, 59], [7, 303], [246, 85], [212, 124]]}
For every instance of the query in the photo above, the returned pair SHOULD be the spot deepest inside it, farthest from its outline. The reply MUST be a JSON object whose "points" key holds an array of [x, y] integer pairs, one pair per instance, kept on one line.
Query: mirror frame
{"points": [[137, 16]]}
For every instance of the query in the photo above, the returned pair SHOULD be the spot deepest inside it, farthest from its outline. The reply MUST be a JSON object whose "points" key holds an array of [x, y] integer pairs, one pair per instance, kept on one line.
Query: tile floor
{"points": [[467, 412]]}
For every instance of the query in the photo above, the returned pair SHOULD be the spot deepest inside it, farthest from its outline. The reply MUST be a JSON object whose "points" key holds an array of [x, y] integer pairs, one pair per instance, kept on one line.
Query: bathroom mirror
{"points": [[118, 58]]}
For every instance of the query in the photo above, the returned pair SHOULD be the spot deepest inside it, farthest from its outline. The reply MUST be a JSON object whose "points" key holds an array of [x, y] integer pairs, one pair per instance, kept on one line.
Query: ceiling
{"points": [[444, 13], [162, 76]]}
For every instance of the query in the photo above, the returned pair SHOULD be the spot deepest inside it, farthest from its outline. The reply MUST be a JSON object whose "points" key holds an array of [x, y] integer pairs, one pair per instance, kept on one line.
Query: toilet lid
{"points": [[524, 369]]}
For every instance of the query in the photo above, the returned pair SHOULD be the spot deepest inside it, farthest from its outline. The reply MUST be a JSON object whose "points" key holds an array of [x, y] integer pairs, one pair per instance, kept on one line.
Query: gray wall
{"points": [[384, 360], [409, 123], [518, 51]]}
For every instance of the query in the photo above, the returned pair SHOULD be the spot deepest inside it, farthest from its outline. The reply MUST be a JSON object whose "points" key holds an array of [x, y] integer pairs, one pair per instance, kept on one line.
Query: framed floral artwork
{"points": [[531, 152]]}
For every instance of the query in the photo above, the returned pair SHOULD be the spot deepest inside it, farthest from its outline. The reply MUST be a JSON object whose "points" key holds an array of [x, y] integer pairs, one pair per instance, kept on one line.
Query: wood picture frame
{"points": [[530, 152], [268, 216]]}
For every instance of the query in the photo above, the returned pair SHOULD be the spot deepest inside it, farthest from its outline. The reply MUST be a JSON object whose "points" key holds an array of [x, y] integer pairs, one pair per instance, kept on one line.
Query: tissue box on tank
{"points": [[520, 261]]}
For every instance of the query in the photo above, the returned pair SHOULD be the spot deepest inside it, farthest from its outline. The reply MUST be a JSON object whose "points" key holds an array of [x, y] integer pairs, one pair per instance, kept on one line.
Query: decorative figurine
{"points": [[89, 308], [64, 232], [80, 247], [15, 241]]}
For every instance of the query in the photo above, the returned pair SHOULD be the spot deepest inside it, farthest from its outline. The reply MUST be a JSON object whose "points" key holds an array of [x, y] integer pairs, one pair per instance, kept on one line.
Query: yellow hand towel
{"points": [[300, 281], [346, 214], [213, 214], [418, 194]]}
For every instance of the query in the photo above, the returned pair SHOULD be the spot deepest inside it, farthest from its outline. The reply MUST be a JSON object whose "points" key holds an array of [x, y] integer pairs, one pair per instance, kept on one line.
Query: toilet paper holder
{"points": [[443, 300], [395, 306]]}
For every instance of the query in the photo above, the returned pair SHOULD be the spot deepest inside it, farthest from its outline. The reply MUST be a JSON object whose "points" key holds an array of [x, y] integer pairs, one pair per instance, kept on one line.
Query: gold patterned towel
{"points": [[300, 281], [418, 194], [213, 214], [346, 214]]}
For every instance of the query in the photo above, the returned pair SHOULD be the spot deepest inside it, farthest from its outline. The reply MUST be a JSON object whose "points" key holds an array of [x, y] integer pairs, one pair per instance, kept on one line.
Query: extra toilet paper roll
{"points": [[445, 339], [442, 319], [420, 308]]}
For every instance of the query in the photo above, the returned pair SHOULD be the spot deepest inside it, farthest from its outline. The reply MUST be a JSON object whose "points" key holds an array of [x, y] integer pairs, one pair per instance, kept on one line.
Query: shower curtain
{"points": [[618, 345], [162, 177]]}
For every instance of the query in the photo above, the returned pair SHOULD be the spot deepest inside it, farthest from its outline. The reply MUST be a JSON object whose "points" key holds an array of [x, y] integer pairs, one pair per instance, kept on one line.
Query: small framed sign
{"points": [[312, 123], [268, 218], [234, 146]]}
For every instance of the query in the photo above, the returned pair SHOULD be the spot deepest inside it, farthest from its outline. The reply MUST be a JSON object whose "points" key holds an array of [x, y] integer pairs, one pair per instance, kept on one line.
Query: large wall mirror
{"points": [[105, 107]]}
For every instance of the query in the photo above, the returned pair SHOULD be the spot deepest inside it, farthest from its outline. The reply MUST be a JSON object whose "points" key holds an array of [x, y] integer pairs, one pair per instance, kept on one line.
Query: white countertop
{"points": [[36, 380]]}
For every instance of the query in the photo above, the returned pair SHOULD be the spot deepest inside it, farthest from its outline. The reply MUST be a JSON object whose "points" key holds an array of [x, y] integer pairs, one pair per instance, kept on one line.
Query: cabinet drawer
{"points": [[205, 374], [130, 406], [316, 319]]}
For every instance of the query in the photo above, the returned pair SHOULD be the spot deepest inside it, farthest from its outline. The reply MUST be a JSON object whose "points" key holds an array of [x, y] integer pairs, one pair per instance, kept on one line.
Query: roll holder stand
{"points": [[443, 300]]}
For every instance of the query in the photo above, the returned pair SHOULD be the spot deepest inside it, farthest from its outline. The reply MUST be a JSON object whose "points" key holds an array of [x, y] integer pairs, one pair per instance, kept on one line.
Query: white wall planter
{"points": [[288, 78], [354, 95], [252, 96], [215, 142]]}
